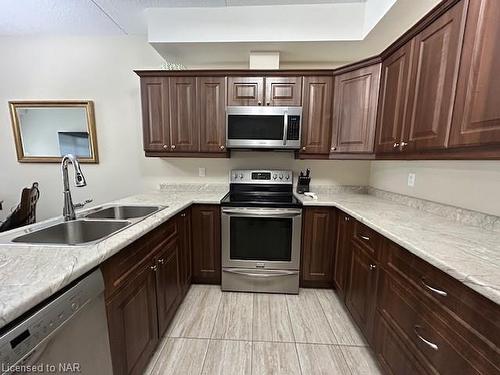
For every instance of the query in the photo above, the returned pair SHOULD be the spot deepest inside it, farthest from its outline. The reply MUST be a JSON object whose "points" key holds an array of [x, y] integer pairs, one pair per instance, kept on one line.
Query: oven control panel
{"points": [[245, 176]]}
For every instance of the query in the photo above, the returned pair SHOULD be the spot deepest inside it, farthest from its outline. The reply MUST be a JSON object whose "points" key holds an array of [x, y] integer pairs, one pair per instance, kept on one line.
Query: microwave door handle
{"points": [[285, 130]]}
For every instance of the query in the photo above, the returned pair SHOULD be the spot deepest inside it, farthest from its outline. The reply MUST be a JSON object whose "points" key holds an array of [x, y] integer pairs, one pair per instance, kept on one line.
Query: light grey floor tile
{"points": [[155, 356], [321, 359], [309, 323], [181, 356], [196, 316], [271, 321], [228, 357], [274, 358], [338, 317], [360, 360], [234, 319]]}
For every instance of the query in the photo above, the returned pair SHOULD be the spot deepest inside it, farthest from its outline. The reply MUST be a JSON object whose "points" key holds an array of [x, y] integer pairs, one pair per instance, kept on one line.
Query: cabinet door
{"points": [[185, 249], [183, 123], [355, 110], [168, 286], [318, 247], [360, 297], [393, 99], [317, 115], [433, 82], [284, 91], [476, 117], [205, 220], [342, 253], [133, 325], [245, 90], [211, 94], [155, 113]]}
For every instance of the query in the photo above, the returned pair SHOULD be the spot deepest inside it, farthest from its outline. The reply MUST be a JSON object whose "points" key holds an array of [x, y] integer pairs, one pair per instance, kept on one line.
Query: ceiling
{"points": [[103, 17]]}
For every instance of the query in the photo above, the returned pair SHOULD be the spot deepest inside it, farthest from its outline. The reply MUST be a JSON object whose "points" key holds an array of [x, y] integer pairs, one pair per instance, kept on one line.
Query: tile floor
{"points": [[218, 332]]}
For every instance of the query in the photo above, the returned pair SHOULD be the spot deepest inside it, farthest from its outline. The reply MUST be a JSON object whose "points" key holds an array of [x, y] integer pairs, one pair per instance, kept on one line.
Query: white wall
{"points": [[100, 69], [470, 184]]}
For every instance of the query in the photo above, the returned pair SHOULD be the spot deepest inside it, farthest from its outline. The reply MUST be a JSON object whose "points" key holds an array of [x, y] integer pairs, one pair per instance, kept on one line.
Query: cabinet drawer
{"points": [[120, 267], [436, 345], [369, 239], [467, 313]]}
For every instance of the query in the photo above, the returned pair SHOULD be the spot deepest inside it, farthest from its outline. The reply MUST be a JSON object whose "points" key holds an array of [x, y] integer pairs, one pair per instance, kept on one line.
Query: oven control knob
{"points": [[235, 176], [241, 176], [287, 176], [275, 176], [281, 177]]}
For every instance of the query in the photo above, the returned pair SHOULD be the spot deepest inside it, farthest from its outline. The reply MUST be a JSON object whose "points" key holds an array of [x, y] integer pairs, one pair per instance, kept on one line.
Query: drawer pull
{"points": [[154, 268], [437, 291], [372, 267], [366, 238], [161, 261], [427, 342]]}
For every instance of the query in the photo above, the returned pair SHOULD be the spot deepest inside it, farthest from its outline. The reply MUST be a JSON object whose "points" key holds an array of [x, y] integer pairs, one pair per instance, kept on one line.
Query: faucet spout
{"points": [[69, 207]]}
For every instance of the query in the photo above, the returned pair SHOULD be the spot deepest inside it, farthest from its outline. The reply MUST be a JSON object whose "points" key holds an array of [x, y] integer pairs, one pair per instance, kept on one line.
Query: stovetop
{"points": [[260, 200]]}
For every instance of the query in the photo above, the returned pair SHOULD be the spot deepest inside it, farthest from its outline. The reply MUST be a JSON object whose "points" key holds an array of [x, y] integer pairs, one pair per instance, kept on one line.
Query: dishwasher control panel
{"points": [[18, 342]]}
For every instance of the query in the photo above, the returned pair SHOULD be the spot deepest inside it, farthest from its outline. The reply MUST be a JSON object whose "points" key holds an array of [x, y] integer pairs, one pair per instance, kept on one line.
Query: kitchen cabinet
{"points": [[317, 115], [283, 91], [132, 323], [245, 91], [269, 91], [355, 110], [393, 100], [211, 110], [185, 249], [343, 255], [434, 70], [476, 115], [155, 114], [183, 122], [206, 237], [362, 287], [318, 246]]}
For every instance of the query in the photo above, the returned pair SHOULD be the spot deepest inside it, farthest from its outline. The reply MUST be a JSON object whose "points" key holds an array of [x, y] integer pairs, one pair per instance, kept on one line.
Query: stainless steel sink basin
{"points": [[123, 212], [74, 232]]}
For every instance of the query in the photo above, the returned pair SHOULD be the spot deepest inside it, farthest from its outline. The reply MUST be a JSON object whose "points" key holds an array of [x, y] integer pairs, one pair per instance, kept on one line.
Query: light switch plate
{"points": [[411, 179], [202, 172]]}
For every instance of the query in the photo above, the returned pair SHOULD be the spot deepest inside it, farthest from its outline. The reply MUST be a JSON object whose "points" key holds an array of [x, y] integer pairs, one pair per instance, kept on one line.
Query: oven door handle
{"points": [[257, 213], [259, 274]]}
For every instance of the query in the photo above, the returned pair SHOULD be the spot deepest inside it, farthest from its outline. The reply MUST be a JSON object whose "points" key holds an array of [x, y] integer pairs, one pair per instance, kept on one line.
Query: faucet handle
{"points": [[83, 204]]}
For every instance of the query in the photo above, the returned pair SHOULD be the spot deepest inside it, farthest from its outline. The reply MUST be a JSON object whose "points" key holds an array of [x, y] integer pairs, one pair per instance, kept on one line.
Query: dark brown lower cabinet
{"points": [[185, 249], [362, 288], [318, 247], [133, 324], [342, 262], [205, 221]]}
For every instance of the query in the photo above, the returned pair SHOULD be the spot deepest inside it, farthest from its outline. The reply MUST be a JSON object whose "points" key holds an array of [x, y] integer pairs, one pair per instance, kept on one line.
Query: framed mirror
{"points": [[45, 131]]}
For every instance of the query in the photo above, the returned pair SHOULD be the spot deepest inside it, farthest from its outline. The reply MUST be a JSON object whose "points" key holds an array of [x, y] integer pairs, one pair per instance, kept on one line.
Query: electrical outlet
{"points": [[202, 172], [411, 179]]}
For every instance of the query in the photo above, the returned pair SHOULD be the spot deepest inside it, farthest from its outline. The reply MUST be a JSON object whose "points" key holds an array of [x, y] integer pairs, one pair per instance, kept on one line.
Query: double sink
{"points": [[91, 227]]}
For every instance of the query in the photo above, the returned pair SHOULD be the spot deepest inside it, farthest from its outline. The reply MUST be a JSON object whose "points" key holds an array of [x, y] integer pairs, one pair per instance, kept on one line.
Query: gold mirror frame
{"points": [[16, 127]]}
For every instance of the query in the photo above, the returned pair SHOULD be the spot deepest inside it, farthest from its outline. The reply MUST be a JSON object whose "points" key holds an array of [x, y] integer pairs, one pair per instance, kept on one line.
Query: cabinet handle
{"points": [[427, 342], [403, 144], [372, 267], [333, 148], [395, 145], [268, 103], [366, 238], [437, 291], [161, 261], [222, 147], [154, 268], [259, 102], [165, 146], [172, 147], [346, 218], [304, 148], [183, 214]]}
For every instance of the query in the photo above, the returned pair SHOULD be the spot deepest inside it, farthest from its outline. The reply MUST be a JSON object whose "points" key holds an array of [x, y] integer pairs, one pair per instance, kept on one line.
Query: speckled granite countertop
{"points": [[469, 254], [29, 273]]}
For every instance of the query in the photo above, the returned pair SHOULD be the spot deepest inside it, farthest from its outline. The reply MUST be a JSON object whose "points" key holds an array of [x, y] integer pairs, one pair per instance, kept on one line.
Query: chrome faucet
{"points": [[69, 207]]}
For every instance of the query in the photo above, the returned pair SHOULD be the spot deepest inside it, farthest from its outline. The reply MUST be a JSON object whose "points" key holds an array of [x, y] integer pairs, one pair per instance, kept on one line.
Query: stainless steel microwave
{"points": [[251, 127]]}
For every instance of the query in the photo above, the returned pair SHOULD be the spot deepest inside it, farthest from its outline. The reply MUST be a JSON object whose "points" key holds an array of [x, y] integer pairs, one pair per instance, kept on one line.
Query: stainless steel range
{"points": [[261, 229]]}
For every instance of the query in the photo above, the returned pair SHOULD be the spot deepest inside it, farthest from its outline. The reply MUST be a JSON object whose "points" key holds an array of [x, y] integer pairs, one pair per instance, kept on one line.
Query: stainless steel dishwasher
{"points": [[68, 334]]}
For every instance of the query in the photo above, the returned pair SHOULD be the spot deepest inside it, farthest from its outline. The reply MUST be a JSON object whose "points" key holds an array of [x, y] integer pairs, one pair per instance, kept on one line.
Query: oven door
{"points": [[261, 238]]}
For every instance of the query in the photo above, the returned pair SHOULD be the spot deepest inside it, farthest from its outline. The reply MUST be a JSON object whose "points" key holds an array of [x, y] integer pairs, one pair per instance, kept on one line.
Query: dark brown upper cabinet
{"points": [[433, 82], [283, 91], [211, 109], [245, 91], [318, 247], [355, 110], [393, 99], [476, 117], [155, 113], [183, 122], [317, 115]]}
